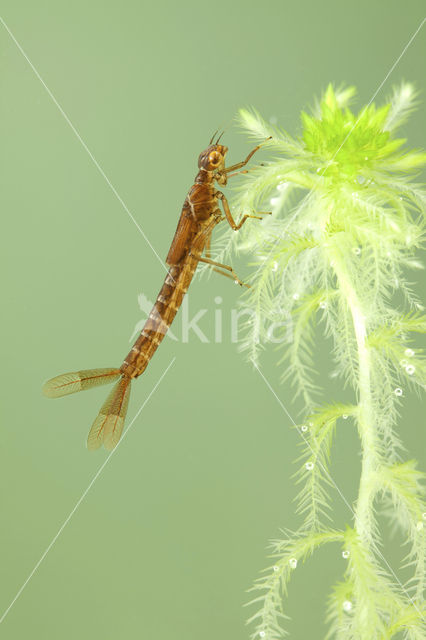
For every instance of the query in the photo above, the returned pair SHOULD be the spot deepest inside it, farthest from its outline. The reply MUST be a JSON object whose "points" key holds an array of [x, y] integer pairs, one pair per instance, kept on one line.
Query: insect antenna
{"points": [[211, 139]]}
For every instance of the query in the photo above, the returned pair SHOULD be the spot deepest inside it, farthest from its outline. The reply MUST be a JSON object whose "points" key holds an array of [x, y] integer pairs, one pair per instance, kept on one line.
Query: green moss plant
{"points": [[335, 257]]}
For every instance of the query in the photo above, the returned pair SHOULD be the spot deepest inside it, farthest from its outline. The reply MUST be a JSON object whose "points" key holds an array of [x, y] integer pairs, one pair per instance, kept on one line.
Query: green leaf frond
{"points": [[313, 501], [406, 486], [402, 102], [392, 341], [367, 604], [335, 259], [268, 590]]}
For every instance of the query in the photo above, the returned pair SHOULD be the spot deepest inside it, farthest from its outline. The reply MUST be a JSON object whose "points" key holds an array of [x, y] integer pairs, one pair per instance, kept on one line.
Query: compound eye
{"points": [[214, 157]]}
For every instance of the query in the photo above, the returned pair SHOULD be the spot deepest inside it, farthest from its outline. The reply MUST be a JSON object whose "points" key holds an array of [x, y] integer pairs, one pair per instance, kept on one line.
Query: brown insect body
{"points": [[200, 214]]}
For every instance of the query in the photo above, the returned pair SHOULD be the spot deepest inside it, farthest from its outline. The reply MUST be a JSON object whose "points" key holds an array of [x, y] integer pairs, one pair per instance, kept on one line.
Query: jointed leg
{"points": [[238, 165], [229, 217], [207, 247], [231, 273], [236, 173], [228, 275]]}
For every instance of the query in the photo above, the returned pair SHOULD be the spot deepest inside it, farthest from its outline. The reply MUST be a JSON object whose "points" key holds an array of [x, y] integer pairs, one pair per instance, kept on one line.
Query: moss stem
{"points": [[364, 516]]}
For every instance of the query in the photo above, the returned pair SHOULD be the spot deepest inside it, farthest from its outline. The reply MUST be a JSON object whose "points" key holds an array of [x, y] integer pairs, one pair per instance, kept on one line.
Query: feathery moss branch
{"points": [[348, 219]]}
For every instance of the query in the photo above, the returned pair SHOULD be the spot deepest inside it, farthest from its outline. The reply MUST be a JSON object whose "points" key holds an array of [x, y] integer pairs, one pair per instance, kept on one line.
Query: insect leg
{"points": [[226, 267], [228, 275], [236, 173], [207, 247], [238, 165], [228, 214]]}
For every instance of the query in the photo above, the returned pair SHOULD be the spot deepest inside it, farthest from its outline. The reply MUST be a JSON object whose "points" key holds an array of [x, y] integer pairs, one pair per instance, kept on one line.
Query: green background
{"points": [[174, 530]]}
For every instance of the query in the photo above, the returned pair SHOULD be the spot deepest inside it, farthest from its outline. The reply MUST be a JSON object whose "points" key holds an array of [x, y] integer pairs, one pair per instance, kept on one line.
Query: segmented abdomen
{"points": [[160, 318]]}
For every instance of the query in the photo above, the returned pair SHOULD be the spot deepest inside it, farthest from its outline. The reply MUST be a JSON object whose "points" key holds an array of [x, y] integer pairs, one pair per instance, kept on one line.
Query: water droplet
{"points": [[419, 526], [236, 282], [424, 516], [319, 170], [345, 416], [276, 568], [304, 428], [365, 157], [274, 201], [309, 466], [275, 266], [409, 353], [323, 304], [354, 195], [296, 296], [311, 424], [360, 179], [293, 563], [398, 391], [356, 251], [282, 186], [346, 554], [262, 634], [410, 369], [403, 363], [347, 605]]}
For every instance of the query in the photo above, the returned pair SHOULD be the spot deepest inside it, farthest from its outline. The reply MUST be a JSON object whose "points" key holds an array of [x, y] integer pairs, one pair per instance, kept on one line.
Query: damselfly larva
{"points": [[200, 214]]}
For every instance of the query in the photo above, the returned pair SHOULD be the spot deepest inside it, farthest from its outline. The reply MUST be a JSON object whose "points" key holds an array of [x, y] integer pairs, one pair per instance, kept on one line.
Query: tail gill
{"points": [[108, 426]]}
